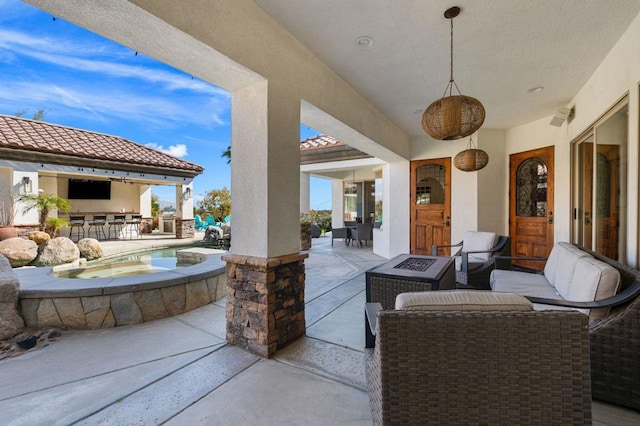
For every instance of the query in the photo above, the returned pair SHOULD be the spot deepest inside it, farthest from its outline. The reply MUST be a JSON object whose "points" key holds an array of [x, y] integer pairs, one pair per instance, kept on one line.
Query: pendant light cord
{"points": [[451, 81]]}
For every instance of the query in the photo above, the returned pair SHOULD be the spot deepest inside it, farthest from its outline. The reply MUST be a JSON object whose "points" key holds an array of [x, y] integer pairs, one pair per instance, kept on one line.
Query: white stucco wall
{"points": [[124, 196], [616, 76]]}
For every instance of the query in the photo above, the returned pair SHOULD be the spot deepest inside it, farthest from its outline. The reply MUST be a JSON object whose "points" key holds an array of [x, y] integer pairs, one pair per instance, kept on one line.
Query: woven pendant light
{"points": [[454, 116], [471, 159]]}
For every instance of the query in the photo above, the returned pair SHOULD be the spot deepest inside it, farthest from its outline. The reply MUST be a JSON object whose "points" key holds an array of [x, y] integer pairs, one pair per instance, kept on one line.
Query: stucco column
{"points": [[184, 223], [305, 190], [393, 238], [265, 272], [337, 203]]}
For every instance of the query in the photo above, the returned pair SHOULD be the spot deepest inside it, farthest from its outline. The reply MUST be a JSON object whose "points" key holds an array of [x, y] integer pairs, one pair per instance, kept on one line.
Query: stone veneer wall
{"points": [[185, 228], [95, 312], [265, 305]]}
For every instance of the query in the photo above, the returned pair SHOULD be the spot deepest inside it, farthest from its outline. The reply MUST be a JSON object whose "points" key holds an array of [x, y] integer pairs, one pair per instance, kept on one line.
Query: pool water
{"points": [[132, 264]]}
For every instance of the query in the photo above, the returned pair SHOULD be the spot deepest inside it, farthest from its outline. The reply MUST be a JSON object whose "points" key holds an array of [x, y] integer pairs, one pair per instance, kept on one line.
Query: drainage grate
{"points": [[415, 264]]}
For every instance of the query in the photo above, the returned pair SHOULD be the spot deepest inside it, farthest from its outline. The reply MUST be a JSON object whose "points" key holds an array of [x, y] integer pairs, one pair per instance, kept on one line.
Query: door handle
{"points": [[447, 222], [550, 217]]}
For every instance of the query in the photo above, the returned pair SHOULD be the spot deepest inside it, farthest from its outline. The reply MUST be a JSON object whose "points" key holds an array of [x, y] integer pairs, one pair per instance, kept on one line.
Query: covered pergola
{"points": [[39, 156]]}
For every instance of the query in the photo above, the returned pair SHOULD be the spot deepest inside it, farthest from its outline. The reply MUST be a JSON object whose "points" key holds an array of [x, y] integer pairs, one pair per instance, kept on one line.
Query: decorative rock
{"points": [[38, 237], [57, 251], [18, 251], [90, 248], [11, 322]]}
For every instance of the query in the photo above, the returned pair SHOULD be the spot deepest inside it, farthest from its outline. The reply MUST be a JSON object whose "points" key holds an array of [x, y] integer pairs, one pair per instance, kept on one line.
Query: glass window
{"points": [[531, 187], [430, 181]]}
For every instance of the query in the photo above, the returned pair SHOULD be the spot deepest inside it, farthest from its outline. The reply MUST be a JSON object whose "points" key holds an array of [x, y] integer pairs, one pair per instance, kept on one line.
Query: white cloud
{"points": [[178, 150], [83, 57]]}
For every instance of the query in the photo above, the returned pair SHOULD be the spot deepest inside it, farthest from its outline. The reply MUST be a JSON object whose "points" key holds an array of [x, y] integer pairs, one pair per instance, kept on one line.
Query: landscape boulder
{"points": [[56, 252], [11, 322], [18, 251], [90, 248], [39, 237]]}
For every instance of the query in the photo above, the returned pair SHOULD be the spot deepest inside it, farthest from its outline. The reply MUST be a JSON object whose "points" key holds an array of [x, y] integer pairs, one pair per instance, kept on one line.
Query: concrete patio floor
{"points": [[180, 371]]}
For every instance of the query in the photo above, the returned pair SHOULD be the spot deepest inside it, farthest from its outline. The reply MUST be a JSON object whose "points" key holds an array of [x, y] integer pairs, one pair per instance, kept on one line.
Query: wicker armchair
{"points": [[473, 267], [473, 367]]}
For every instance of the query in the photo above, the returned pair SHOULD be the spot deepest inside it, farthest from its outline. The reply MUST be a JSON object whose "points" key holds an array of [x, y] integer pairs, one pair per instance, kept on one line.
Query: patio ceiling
{"points": [[501, 50]]}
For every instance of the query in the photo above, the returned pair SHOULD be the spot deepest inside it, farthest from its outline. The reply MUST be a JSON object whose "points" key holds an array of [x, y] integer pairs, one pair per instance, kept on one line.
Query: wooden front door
{"points": [[531, 205], [430, 205]]}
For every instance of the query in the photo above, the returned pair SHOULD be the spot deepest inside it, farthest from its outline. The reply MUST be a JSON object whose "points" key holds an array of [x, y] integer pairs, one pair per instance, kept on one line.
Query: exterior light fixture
{"points": [[27, 185], [471, 159], [453, 116], [188, 194]]}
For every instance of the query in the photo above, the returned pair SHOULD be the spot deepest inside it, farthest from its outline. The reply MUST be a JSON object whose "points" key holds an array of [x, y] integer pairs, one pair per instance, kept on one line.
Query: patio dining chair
{"points": [[363, 233], [337, 233]]}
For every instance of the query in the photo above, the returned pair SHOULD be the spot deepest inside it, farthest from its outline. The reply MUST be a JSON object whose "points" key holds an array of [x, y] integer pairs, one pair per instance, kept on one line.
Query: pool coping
{"points": [[37, 283]]}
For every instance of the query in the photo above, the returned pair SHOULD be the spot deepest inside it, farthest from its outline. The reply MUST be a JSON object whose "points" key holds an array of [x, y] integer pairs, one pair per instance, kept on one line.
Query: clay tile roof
{"points": [[319, 142], [31, 135]]}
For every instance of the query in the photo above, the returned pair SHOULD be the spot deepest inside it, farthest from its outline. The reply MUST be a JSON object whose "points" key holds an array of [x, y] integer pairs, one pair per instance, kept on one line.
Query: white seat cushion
{"points": [[461, 300], [593, 280], [525, 283], [479, 241]]}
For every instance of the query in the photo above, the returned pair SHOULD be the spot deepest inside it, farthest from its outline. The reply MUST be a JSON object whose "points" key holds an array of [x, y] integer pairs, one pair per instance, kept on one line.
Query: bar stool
{"points": [[133, 226], [97, 224], [77, 226], [117, 224]]}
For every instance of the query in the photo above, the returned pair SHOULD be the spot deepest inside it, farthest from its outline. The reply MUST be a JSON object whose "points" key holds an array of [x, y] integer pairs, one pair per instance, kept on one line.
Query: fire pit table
{"points": [[407, 273]]}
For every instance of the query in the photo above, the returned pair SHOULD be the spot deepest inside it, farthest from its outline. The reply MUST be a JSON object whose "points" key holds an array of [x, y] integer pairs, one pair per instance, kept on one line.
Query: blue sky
{"points": [[86, 81]]}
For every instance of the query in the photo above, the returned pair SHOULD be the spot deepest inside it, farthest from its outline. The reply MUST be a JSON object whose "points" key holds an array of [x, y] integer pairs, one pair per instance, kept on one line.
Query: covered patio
{"points": [[363, 76], [180, 370]]}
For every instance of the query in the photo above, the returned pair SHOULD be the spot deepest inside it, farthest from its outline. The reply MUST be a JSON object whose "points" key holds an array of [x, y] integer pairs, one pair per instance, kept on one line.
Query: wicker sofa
{"points": [[466, 363], [614, 330]]}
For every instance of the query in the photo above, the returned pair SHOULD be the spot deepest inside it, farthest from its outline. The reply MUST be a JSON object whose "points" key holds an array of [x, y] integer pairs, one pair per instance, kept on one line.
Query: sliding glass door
{"points": [[600, 185]]}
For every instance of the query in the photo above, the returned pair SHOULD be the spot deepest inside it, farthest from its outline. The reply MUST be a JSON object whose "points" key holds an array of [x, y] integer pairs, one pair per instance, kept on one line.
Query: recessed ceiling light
{"points": [[536, 89], [364, 41]]}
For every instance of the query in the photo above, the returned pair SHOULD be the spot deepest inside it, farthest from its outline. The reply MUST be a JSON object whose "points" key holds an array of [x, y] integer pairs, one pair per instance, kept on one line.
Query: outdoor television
{"points": [[84, 189]]}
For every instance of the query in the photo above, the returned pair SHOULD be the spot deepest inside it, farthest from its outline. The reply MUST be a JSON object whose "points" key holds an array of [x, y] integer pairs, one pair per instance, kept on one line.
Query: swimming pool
{"points": [[139, 263]]}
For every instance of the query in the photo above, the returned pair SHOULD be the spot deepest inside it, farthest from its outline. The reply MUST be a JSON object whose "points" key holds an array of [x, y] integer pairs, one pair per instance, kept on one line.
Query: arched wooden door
{"points": [[430, 205], [531, 205]]}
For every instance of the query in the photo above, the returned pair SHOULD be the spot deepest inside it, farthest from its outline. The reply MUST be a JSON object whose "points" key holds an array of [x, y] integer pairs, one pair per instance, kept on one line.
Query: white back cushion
{"points": [[479, 241], [593, 280], [563, 259]]}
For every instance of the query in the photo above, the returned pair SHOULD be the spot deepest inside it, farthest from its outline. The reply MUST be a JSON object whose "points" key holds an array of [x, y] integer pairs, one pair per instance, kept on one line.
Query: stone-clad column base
{"points": [[265, 305], [184, 228]]}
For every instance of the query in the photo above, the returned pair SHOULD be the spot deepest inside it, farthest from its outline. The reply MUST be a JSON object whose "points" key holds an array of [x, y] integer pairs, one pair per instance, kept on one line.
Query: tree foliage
{"points": [[227, 154], [43, 203], [38, 115], [216, 202]]}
